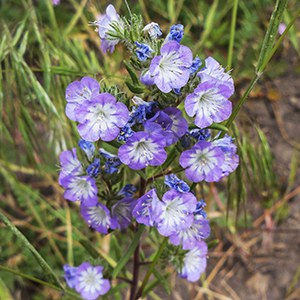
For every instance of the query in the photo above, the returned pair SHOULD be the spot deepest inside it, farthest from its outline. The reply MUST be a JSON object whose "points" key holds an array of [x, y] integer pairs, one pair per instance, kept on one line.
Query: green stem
{"points": [[271, 33], [151, 268], [232, 33], [122, 262], [34, 279]]}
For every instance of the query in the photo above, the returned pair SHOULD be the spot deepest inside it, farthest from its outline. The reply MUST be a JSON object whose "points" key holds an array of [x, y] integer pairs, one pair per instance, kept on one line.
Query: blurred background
{"points": [[255, 213]]}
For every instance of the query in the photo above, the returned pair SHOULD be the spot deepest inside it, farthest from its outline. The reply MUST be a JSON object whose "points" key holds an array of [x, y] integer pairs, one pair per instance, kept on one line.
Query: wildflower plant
{"points": [[165, 132]]}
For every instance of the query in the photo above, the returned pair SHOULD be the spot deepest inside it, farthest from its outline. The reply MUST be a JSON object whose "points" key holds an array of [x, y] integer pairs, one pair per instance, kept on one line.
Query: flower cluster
{"points": [[181, 218], [148, 130]]}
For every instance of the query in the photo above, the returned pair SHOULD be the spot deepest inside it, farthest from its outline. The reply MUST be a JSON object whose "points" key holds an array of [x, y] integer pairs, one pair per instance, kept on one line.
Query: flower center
{"points": [[144, 151]]}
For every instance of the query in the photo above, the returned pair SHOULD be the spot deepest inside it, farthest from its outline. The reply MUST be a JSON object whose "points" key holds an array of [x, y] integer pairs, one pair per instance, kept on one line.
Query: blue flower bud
{"points": [[176, 33], [94, 168], [143, 51], [88, 148]]}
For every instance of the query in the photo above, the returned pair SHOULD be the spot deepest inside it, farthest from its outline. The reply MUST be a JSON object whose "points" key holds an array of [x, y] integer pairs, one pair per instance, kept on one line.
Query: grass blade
{"points": [[47, 269]]}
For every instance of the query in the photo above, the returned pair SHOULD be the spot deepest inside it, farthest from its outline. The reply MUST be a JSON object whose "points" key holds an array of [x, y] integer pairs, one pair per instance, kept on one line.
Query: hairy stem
{"points": [[151, 268]]}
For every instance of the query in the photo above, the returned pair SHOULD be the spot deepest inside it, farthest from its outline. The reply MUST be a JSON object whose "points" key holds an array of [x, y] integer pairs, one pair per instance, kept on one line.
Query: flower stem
{"points": [[136, 259], [232, 33], [136, 268], [151, 268]]}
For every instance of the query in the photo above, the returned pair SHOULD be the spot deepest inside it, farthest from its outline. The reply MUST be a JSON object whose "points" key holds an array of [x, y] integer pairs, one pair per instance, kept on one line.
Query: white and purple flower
{"points": [[105, 27], [153, 30], [82, 188], [70, 274], [70, 165], [193, 235], [145, 209], [90, 282], [170, 70], [79, 92], [203, 162], [213, 70], [121, 212], [175, 212], [179, 123], [98, 217], [143, 149], [102, 118], [209, 102], [194, 263], [231, 161]]}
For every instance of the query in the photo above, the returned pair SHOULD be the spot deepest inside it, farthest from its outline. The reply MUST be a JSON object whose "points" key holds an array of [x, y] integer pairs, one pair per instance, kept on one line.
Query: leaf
{"points": [[127, 255]]}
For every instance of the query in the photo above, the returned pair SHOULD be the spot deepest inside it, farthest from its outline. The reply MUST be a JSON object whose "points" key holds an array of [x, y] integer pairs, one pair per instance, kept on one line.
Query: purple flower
{"points": [[175, 212], [94, 168], [209, 102], [102, 118], [70, 165], [176, 33], [231, 161], [70, 275], [146, 78], [55, 2], [170, 70], [177, 184], [202, 162], [153, 30], [179, 123], [112, 162], [105, 27], [98, 217], [143, 149], [192, 236], [194, 263], [79, 92], [88, 148], [143, 51], [172, 124], [121, 212], [90, 282], [213, 70], [82, 188], [145, 209], [161, 123], [281, 28]]}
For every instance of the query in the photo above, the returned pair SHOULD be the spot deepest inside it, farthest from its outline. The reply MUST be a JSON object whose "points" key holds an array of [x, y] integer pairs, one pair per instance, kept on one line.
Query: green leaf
{"points": [[132, 73], [137, 89], [123, 261]]}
